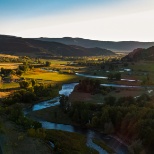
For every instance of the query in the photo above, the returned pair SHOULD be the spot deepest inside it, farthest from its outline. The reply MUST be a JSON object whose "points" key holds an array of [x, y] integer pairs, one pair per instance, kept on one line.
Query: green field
{"points": [[53, 76], [9, 85], [53, 61]]}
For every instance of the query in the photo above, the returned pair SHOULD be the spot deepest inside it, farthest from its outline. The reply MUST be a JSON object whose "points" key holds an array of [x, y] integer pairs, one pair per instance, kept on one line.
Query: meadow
{"points": [[9, 85], [50, 76]]}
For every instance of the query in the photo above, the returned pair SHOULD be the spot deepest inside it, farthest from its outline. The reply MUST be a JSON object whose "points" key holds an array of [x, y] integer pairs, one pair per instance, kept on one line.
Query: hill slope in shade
{"points": [[141, 54], [30, 47], [123, 46]]}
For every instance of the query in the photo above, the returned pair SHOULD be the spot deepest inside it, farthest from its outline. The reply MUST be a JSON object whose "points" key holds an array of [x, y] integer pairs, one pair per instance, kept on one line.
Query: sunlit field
{"points": [[9, 65], [9, 85], [4, 94], [52, 76]]}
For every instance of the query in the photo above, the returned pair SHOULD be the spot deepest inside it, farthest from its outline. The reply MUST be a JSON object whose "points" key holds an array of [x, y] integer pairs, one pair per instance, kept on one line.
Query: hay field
{"points": [[9, 65]]}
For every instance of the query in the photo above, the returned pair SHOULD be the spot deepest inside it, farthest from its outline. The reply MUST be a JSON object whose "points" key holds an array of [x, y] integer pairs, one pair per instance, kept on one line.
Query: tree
{"points": [[24, 84], [63, 102], [33, 82], [110, 100], [47, 63], [75, 116], [95, 121], [0, 81]]}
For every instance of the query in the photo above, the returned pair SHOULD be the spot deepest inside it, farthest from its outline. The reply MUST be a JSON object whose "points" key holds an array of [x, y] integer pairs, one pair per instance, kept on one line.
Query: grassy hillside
{"points": [[141, 54]]}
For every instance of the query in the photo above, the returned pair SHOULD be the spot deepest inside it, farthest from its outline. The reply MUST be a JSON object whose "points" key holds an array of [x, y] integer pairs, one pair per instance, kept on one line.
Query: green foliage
{"points": [[15, 114], [95, 121], [47, 63], [64, 102], [2, 130], [23, 96], [136, 147], [37, 133], [29, 95], [33, 81], [89, 85], [103, 145], [68, 143], [5, 72], [110, 100], [24, 84], [132, 118], [46, 90]]}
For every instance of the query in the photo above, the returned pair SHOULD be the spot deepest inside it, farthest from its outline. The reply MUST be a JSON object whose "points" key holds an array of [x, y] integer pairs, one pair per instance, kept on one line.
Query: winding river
{"points": [[118, 146], [112, 142]]}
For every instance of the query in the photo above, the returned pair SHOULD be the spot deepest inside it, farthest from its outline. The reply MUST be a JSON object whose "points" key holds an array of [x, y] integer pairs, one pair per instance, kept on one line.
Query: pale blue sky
{"points": [[94, 19], [25, 8]]}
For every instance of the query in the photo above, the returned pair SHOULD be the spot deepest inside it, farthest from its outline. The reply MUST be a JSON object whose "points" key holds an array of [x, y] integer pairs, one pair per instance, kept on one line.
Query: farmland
{"points": [[9, 65]]}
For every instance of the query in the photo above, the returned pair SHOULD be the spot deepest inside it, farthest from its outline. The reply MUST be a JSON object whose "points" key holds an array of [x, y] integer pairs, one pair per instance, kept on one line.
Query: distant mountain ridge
{"points": [[121, 46], [141, 54], [37, 48]]}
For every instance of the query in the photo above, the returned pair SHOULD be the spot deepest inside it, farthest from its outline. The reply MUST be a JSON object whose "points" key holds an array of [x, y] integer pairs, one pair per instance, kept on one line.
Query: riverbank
{"points": [[69, 143], [51, 114], [61, 118]]}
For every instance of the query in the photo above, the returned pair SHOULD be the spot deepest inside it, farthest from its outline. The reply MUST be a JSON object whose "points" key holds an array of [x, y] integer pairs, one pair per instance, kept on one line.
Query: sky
{"points": [[106, 20]]}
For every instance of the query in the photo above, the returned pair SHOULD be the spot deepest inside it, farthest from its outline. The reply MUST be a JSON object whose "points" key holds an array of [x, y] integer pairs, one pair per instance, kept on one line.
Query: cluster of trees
{"points": [[28, 64], [27, 83], [15, 114], [47, 63], [89, 85], [21, 69], [6, 72], [31, 94], [132, 118], [106, 90], [93, 86], [24, 68]]}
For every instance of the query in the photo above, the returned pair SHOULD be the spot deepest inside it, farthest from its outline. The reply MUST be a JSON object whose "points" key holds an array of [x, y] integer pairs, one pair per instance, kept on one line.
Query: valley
{"points": [[101, 104]]}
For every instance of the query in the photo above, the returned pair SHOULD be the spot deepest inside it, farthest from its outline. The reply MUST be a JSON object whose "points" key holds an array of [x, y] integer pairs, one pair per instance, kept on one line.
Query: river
{"points": [[118, 146], [102, 77]]}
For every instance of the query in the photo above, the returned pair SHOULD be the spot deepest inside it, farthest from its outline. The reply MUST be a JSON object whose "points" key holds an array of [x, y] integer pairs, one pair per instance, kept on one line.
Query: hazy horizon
{"points": [[78, 38], [104, 20]]}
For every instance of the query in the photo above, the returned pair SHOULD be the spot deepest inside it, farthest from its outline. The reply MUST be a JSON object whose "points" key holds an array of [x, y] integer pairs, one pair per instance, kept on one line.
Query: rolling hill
{"points": [[141, 54], [123, 46], [37, 48]]}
